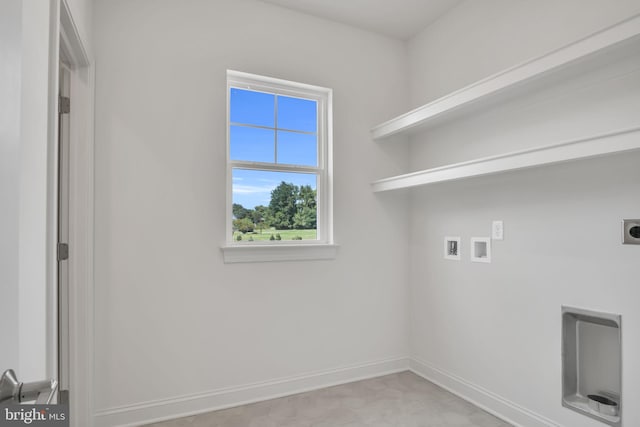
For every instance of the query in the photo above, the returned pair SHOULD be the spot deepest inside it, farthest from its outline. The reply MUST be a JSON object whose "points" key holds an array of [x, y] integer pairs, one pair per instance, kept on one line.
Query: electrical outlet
{"points": [[497, 230]]}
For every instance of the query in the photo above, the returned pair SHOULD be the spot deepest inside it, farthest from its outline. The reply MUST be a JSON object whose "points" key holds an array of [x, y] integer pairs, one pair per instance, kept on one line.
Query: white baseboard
{"points": [[482, 398], [183, 406]]}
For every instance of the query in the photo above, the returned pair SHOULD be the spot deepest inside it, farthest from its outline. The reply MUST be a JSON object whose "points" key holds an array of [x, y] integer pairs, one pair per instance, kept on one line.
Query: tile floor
{"points": [[398, 400]]}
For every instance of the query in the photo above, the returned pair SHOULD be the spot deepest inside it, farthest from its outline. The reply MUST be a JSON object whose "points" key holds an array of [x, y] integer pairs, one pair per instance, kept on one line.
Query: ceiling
{"points": [[401, 19]]}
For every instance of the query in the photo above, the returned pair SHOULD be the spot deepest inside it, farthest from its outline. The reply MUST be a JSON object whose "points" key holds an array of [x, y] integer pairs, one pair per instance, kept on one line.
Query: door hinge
{"points": [[63, 251], [64, 105]]}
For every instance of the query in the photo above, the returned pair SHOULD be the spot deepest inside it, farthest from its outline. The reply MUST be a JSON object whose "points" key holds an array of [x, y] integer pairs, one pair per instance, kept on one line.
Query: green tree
{"points": [[306, 212], [305, 218], [259, 216], [283, 206], [244, 225], [280, 220], [307, 197], [239, 211]]}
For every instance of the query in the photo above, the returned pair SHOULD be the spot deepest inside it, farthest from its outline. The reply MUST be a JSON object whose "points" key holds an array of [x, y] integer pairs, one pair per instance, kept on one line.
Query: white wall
{"points": [[82, 13], [171, 319], [497, 326], [10, 65], [478, 39]]}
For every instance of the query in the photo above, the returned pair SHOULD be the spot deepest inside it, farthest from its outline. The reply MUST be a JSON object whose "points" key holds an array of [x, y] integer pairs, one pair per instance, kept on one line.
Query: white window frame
{"points": [[321, 248]]}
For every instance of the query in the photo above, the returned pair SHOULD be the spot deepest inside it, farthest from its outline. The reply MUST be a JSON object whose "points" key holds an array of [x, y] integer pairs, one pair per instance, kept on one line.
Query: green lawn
{"points": [[284, 234]]}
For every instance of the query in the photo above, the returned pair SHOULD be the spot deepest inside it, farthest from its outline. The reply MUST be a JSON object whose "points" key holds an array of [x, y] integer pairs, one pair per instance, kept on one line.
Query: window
{"points": [[278, 162]]}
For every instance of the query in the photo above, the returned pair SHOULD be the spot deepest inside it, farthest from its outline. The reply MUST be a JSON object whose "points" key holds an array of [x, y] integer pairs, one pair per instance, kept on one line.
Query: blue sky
{"points": [[272, 129]]}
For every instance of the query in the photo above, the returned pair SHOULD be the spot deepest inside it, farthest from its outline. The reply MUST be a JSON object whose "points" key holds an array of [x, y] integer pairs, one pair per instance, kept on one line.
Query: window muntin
{"points": [[278, 136], [261, 121], [251, 144]]}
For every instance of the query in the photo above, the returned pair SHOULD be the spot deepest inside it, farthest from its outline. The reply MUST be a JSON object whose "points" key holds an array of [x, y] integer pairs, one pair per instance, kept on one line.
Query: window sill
{"points": [[276, 253]]}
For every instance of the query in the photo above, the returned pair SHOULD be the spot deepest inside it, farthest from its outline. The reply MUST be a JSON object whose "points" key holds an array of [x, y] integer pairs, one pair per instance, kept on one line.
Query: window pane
{"points": [[297, 148], [254, 108], [252, 144], [297, 114], [278, 204]]}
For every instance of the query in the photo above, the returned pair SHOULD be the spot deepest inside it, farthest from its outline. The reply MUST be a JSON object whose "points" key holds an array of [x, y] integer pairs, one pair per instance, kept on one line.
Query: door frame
{"points": [[68, 43]]}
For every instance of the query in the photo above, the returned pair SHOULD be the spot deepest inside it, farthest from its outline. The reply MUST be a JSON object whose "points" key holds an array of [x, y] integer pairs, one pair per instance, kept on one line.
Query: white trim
{"points": [[323, 170], [53, 186], [274, 167], [188, 405], [182, 406], [81, 226], [515, 78], [71, 41], [278, 252], [583, 148], [493, 403], [81, 246], [271, 84]]}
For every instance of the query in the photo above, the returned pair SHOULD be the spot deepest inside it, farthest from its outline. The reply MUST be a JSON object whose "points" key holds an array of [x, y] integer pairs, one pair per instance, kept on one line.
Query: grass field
{"points": [[284, 234]]}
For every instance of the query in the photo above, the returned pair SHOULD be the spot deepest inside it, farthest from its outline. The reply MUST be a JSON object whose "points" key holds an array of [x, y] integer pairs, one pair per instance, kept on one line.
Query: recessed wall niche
{"points": [[592, 364], [481, 249]]}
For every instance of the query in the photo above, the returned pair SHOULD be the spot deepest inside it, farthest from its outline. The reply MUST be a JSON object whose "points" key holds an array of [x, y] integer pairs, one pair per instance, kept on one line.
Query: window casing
{"points": [[286, 161]]}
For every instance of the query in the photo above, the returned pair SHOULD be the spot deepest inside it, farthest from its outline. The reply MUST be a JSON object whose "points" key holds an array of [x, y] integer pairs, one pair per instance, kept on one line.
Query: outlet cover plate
{"points": [[497, 230]]}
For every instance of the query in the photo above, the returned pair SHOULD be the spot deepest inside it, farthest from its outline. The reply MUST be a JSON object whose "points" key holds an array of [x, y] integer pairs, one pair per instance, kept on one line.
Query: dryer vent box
{"points": [[631, 231]]}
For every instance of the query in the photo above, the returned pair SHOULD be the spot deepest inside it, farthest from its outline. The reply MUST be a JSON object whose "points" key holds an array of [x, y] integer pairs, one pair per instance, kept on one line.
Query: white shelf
{"points": [[586, 53], [593, 146]]}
